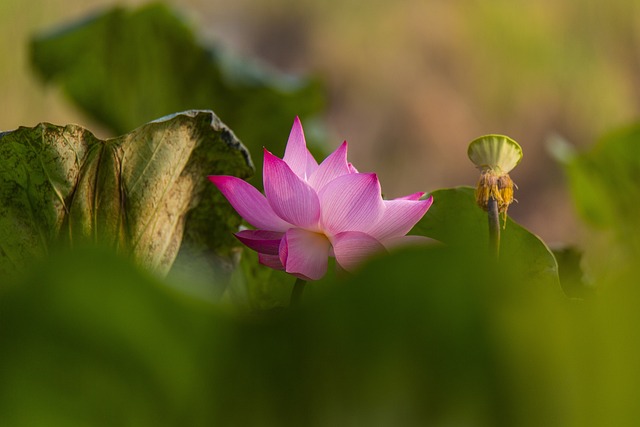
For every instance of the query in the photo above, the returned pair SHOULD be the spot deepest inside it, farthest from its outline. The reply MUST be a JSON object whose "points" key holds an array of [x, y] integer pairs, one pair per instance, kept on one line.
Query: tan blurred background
{"points": [[410, 82]]}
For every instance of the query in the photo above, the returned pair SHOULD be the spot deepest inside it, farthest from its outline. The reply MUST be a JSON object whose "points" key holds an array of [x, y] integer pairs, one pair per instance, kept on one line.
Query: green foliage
{"points": [[97, 342], [376, 349], [605, 186], [127, 67], [140, 193], [575, 282], [605, 182], [455, 219], [415, 338], [254, 287]]}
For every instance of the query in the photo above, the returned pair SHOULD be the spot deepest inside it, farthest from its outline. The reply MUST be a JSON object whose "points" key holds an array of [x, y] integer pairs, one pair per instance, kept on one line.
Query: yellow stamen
{"points": [[497, 186]]}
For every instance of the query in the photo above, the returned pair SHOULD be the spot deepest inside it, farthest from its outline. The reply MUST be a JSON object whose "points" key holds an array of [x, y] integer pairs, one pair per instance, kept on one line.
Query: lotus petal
{"points": [[414, 196], [291, 198], [333, 166], [272, 261], [263, 241], [304, 253], [249, 203], [352, 247], [399, 217], [296, 154], [351, 203]]}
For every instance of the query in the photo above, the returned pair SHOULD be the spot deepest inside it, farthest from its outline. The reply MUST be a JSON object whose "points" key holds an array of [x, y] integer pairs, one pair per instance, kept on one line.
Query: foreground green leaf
{"points": [[95, 341], [455, 219], [140, 193], [128, 66], [424, 336]]}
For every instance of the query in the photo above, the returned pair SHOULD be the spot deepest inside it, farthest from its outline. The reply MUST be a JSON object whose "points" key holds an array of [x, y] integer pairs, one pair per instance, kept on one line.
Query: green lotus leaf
{"points": [[141, 193], [455, 219]]}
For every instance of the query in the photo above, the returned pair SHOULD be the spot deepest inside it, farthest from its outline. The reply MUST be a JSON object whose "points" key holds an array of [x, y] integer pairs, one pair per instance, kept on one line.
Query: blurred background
{"points": [[409, 83]]}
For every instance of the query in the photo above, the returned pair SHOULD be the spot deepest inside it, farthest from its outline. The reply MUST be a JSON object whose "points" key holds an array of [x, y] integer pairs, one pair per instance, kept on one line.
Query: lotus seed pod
{"points": [[495, 156], [498, 153]]}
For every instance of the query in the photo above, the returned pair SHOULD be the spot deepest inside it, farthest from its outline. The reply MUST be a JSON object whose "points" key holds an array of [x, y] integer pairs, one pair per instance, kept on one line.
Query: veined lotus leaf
{"points": [[140, 193]]}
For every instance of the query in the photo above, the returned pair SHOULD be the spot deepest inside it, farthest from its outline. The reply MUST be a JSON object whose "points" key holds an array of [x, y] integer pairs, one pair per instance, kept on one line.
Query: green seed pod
{"points": [[497, 153], [495, 156]]}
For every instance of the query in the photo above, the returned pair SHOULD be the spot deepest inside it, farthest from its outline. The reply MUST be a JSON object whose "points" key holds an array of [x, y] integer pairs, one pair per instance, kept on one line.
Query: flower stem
{"points": [[296, 293], [494, 226]]}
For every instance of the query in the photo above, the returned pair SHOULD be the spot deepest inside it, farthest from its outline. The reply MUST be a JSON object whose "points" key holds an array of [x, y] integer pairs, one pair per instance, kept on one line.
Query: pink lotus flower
{"points": [[313, 211]]}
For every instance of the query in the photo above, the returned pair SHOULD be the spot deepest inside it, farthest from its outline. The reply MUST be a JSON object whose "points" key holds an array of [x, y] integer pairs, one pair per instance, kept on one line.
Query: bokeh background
{"points": [[409, 83]]}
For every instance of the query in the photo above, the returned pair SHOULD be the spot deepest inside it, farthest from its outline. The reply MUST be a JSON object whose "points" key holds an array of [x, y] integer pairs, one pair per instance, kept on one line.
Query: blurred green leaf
{"points": [[455, 219], [95, 341], [126, 67], [605, 185], [436, 336], [574, 280], [604, 182], [413, 338], [140, 193], [256, 287]]}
